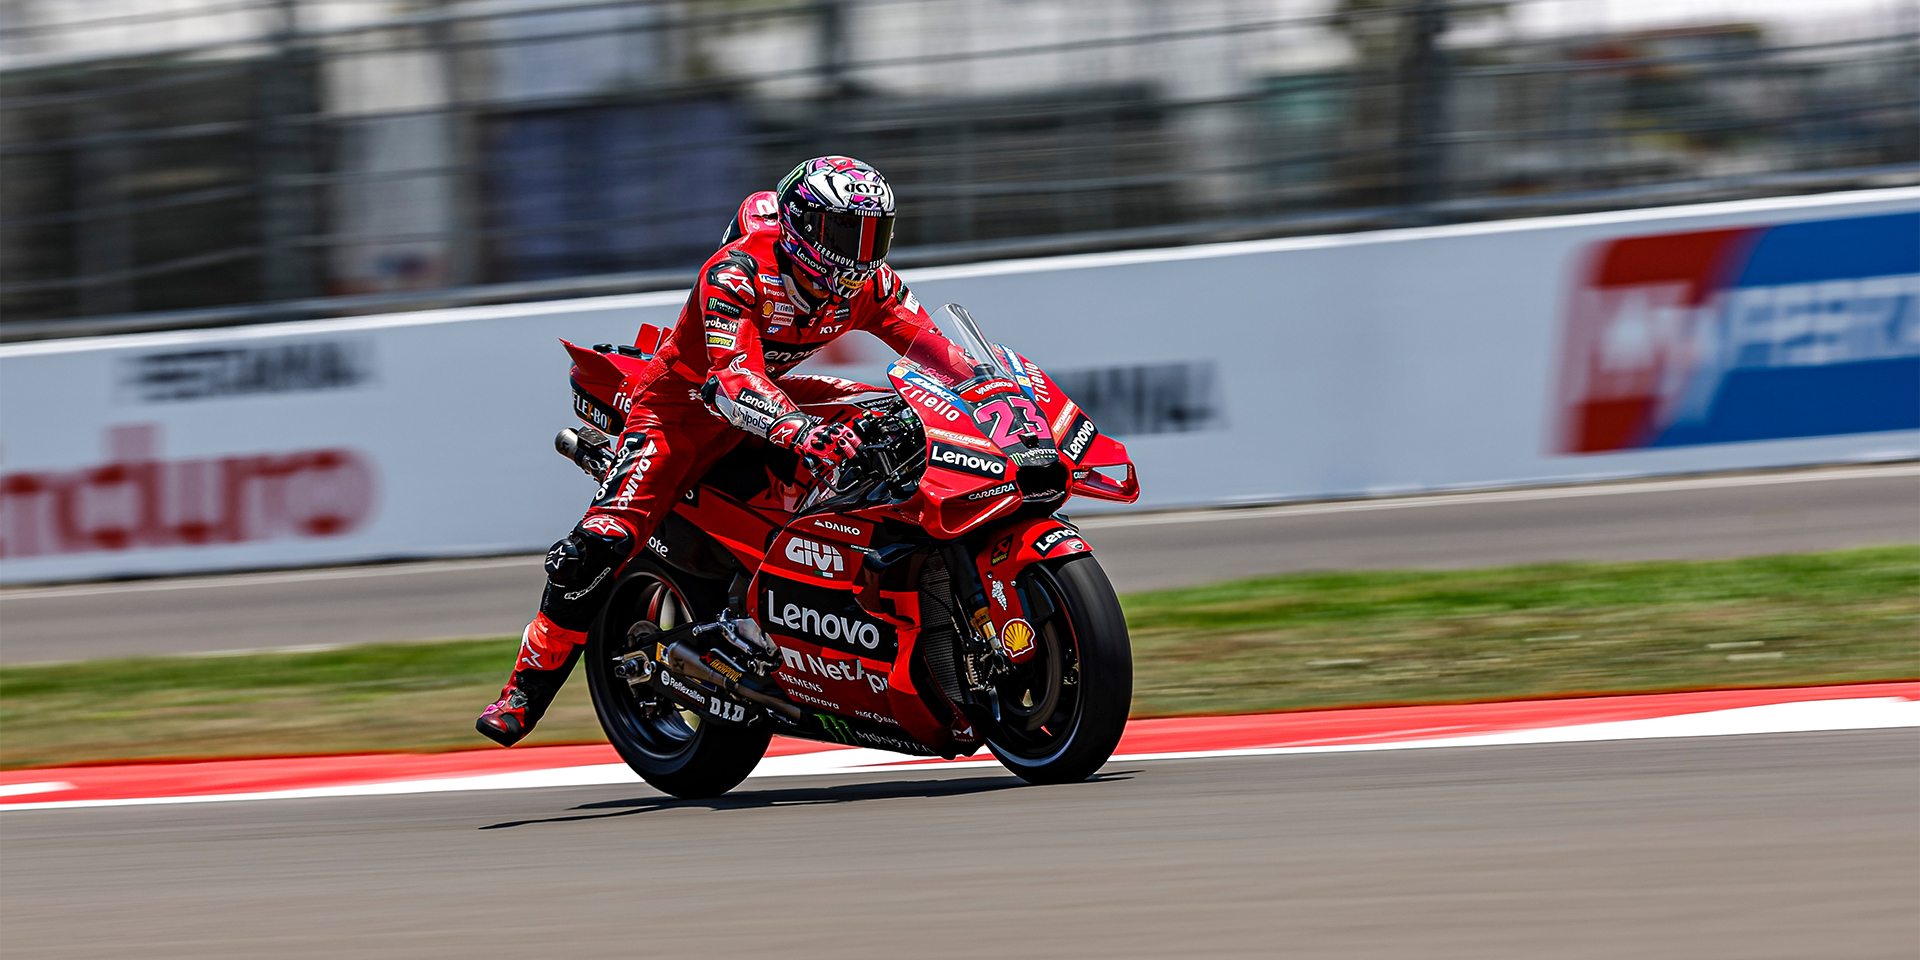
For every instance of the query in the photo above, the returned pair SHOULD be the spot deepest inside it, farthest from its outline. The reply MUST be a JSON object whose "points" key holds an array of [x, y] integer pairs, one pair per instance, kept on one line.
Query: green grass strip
{"points": [[1275, 643]]}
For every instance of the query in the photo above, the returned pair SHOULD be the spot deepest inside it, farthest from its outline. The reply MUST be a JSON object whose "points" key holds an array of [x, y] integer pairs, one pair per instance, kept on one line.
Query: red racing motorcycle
{"points": [[925, 597]]}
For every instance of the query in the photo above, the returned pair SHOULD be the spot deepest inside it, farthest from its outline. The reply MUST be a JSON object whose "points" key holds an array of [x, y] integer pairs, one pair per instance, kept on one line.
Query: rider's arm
{"points": [[899, 320], [739, 388]]}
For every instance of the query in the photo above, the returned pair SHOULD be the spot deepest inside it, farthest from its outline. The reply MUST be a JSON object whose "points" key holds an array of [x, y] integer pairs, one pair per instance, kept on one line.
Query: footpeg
{"points": [[745, 637], [635, 668]]}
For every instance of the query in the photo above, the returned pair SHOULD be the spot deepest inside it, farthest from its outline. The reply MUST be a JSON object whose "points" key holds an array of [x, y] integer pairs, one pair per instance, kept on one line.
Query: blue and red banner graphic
{"points": [[1761, 333]]}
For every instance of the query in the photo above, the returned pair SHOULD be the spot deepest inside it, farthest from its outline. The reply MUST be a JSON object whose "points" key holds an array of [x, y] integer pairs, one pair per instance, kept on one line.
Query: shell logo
{"points": [[1017, 639]]}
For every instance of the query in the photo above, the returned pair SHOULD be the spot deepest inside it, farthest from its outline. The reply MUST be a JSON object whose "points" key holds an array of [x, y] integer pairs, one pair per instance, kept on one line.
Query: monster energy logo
{"points": [[837, 728]]}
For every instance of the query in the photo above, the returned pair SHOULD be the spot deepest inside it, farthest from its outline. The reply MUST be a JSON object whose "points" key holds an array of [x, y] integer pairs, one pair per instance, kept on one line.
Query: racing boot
{"points": [[547, 654]]}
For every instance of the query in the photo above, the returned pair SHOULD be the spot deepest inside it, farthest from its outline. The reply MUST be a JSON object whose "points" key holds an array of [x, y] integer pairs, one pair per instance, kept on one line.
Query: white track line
{"points": [[1103, 522], [1864, 713]]}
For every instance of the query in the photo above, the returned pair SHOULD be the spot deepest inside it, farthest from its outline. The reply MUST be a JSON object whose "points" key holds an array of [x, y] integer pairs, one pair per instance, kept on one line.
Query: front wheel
{"points": [[1060, 714], [672, 749]]}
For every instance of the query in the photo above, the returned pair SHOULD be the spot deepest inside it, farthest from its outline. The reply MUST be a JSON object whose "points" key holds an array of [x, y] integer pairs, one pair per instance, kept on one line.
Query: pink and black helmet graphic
{"points": [[836, 222]]}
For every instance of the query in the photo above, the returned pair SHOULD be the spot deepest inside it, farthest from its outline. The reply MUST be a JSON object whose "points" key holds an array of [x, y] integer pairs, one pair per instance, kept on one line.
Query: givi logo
{"points": [[819, 556]]}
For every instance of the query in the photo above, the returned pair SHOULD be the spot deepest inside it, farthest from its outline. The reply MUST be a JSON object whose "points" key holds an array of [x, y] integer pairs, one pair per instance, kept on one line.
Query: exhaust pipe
{"points": [[682, 660]]}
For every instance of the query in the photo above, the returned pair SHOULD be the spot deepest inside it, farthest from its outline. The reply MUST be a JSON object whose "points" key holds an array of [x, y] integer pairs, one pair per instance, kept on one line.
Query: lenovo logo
{"points": [[849, 630]]}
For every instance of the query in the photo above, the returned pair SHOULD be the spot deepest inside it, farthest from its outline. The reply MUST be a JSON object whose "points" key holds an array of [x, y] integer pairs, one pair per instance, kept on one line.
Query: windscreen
{"points": [[958, 353]]}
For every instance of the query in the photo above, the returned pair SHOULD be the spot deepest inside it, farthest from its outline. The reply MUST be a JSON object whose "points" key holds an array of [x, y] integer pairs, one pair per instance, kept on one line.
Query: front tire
{"points": [[1063, 713], [673, 749]]}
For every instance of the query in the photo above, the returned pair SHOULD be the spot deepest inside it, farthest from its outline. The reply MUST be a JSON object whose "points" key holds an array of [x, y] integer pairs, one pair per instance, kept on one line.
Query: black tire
{"points": [[668, 747], [1062, 732]]}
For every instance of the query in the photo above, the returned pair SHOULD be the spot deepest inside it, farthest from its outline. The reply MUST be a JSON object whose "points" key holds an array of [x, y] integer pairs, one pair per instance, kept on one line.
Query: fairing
{"points": [[828, 582]]}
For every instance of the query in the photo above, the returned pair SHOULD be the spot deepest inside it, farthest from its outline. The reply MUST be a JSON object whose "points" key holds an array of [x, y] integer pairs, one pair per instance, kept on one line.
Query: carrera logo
{"points": [[967, 461], [820, 556], [1079, 438], [991, 492], [1057, 537]]}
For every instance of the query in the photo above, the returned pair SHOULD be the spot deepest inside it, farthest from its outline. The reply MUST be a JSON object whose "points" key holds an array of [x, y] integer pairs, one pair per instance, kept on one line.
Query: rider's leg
{"points": [[653, 468]]}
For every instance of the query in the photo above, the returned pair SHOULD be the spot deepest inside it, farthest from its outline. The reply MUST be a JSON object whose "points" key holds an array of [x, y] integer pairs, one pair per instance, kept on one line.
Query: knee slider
{"points": [[592, 552]]}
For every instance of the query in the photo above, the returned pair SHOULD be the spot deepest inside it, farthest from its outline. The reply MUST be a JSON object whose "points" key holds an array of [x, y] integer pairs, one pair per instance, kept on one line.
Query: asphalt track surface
{"points": [[1697, 518], [1775, 846]]}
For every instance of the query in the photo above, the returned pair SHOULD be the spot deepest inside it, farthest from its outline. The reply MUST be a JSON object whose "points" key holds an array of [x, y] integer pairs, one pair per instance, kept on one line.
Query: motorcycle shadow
{"points": [[800, 796]]}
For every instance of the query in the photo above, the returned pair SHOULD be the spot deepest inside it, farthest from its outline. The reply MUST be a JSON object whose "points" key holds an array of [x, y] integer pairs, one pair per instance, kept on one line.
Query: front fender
{"points": [[1012, 546]]}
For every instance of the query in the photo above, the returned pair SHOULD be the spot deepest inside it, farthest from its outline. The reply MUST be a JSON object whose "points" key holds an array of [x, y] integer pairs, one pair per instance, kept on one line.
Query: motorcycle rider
{"points": [[800, 266]]}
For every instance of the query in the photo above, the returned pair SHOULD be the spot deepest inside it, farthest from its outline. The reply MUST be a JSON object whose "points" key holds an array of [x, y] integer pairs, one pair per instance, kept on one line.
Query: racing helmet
{"points": [[836, 222]]}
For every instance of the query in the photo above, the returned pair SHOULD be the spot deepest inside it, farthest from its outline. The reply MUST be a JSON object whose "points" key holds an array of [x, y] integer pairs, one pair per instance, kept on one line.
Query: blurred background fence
{"points": [[199, 162]]}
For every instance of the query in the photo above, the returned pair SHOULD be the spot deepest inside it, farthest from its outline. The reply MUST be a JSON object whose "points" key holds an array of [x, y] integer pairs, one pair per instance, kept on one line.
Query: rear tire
{"points": [[1084, 672], [674, 750]]}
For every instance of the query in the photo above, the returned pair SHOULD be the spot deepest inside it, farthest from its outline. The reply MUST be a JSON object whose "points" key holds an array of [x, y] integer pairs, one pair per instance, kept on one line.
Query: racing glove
{"points": [[827, 443]]}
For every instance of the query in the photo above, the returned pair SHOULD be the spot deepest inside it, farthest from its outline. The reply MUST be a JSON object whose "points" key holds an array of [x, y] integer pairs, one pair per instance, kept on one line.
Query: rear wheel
{"points": [[673, 749], [1062, 712]]}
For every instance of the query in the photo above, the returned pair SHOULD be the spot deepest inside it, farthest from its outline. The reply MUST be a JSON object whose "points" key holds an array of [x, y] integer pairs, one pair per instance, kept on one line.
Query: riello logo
{"points": [[139, 500], [819, 556]]}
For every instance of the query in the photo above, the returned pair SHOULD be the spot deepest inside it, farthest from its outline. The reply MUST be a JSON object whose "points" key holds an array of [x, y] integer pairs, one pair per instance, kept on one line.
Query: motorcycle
{"points": [[925, 597]]}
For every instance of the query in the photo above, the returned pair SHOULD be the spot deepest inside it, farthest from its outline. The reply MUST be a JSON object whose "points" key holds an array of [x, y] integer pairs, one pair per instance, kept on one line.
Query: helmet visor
{"points": [[861, 240]]}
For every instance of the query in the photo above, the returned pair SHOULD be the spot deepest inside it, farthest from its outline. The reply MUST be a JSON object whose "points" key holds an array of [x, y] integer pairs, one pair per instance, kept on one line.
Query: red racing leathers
{"points": [[743, 328]]}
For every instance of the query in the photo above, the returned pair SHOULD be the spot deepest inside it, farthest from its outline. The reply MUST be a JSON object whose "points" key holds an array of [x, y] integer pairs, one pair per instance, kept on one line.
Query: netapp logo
{"points": [[843, 670], [827, 626], [967, 461], [239, 371]]}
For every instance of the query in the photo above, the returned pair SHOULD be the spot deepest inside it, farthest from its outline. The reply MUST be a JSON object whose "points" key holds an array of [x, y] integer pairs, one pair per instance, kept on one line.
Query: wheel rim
{"points": [[655, 724], [1039, 702]]}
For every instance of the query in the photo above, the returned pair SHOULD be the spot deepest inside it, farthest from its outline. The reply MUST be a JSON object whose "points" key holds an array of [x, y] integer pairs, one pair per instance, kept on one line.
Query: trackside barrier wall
{"points": [[1722, 336]]}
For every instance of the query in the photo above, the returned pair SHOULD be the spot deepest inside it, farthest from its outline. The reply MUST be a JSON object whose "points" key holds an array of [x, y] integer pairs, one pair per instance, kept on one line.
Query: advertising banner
{"points": [[1724, 336]]}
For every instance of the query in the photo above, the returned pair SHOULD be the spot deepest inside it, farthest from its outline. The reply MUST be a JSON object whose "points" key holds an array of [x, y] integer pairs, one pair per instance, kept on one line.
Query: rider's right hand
{"points": [[827, 443]]}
